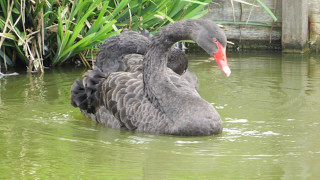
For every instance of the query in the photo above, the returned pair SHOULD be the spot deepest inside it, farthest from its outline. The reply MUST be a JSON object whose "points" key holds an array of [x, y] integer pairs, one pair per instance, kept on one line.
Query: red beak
{"points": [[221, 59]]}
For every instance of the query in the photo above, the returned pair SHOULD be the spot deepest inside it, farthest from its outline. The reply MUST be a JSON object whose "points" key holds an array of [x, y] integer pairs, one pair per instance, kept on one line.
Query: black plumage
{"points": [[154, 99]]}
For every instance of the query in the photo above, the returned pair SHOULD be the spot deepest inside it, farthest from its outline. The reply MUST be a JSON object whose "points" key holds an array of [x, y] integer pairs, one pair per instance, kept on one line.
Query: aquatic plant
{"points": [[39, 32]]}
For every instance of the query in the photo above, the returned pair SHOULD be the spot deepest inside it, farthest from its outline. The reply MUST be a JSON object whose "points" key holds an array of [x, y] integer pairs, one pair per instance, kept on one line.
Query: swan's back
{"points": [[111, 52], [110, 57]]}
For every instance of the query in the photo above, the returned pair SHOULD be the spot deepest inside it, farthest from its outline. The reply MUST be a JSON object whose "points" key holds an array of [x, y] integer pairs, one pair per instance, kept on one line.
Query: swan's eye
{"points": [[215, 40]]}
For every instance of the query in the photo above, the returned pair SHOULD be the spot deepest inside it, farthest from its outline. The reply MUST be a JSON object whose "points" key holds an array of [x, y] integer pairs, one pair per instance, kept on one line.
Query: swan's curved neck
{"points": [[155, 79]]}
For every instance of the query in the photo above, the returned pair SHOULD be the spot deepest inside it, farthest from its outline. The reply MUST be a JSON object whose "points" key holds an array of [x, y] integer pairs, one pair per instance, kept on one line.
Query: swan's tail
{"points": [[83, 92], [78, 95]]}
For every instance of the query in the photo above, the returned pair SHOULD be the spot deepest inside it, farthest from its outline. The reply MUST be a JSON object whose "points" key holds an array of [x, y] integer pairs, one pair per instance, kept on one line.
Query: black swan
{"points": [[112, 54], [154, 99]]}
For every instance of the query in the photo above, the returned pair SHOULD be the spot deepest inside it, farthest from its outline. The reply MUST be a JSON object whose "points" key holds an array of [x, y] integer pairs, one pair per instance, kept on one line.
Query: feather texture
{"points": [[152, 98]]}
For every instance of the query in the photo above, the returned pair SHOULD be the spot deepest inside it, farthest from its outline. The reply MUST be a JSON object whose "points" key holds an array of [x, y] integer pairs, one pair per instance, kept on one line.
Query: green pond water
{"points": [[270, 107]]}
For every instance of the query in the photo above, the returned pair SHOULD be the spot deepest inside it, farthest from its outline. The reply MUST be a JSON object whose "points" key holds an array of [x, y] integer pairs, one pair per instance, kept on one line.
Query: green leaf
{"points": [[87, 38], [268, 10], [101, 39], [8, 60], [194, 10], [39, 7], [106, 28], [165, 16], [197, 2], [79, 27], [53, 19], [22, 39], [200, 14], [100, 20], [4, 8], [71, 17], [16, 11], [120, 7], [60, 26], [9, 36], [21, 54], [36, 64]]}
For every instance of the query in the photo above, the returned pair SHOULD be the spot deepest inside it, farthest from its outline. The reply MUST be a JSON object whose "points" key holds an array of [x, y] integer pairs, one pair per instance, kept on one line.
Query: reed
{"points": [[36, 33]]}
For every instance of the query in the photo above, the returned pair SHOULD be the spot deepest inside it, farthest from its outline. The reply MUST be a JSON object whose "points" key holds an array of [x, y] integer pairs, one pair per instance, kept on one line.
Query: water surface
{"points": [[270, 107]]}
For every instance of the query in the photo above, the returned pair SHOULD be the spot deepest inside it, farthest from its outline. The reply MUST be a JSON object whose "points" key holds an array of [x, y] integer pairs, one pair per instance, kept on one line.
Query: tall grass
{"points": [[47, 32]]}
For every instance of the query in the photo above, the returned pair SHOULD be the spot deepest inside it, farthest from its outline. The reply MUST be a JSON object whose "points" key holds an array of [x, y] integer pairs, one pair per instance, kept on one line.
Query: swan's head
{"points": [[213, 40]]}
